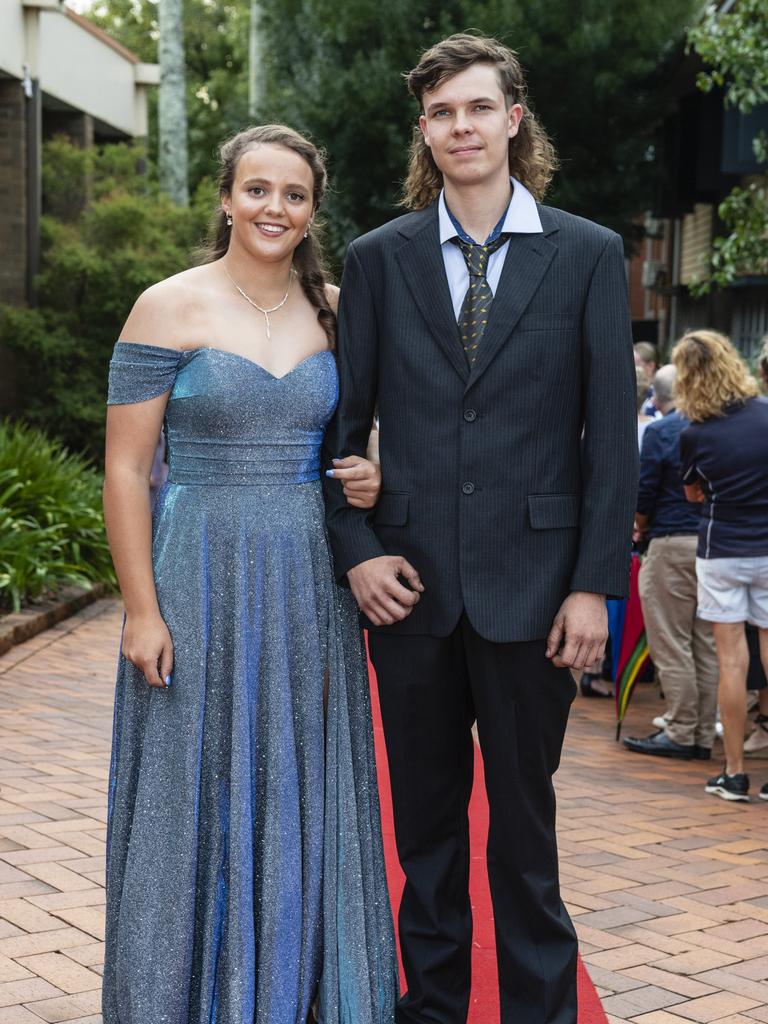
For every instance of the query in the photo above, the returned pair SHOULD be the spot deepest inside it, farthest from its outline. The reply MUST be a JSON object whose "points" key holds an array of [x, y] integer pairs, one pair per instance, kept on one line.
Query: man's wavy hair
{"points": [[711, 375], [532, 158]]}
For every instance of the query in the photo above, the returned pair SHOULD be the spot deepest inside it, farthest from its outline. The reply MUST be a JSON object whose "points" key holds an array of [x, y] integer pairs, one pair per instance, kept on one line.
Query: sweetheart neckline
{"points": [[226, 352], [246, 359]]}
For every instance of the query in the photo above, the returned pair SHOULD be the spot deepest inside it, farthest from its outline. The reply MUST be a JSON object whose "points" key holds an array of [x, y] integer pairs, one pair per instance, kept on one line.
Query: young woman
{"points": [[245, 876], [724, 456]]}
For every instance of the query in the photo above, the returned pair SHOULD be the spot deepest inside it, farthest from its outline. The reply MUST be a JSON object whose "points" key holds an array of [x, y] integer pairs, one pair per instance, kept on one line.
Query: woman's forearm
{"points": [[128, 518]]}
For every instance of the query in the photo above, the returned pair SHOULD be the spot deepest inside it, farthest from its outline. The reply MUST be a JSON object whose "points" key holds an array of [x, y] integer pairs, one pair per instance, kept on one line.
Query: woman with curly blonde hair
{"points": [[724, 454]]}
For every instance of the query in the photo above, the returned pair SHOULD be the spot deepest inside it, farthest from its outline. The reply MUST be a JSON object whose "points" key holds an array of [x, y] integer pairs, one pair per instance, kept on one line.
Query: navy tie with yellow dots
{"points": [[476, 306]]}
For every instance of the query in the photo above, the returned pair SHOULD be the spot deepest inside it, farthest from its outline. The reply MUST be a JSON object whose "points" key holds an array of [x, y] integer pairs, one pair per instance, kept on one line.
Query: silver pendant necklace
{"points": [[261, 309]]}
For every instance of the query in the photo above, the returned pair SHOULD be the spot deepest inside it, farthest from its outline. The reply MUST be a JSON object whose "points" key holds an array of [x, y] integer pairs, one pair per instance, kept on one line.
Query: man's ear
{"points": [[515, 116], [423, 129]]}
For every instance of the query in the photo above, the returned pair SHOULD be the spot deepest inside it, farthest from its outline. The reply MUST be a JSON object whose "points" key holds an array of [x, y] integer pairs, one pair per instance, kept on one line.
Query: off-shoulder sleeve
{"points": [[140, 372]]}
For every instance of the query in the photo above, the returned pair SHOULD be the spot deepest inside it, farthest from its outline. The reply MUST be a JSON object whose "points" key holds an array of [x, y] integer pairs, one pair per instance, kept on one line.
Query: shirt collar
{"points": [[521, 218]]}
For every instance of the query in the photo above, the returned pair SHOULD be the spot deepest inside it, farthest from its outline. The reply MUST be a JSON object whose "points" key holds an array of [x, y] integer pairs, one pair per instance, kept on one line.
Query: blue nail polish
{"points": [[337, 460], [329, 472], [167, 681]]}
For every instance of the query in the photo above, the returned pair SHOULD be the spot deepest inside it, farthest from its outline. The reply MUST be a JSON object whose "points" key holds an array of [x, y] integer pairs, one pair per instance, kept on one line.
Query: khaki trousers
{"points": [[682, 647]]}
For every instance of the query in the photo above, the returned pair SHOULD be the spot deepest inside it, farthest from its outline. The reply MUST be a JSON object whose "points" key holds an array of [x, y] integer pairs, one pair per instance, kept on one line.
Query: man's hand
{"points": [[379, 594], [579, 632]]}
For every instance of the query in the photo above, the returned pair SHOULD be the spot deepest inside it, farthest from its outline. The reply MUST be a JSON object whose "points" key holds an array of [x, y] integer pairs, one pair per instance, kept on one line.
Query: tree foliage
{"points": [[734, 46], [216, 40], [96, 261], [334, 71], [596, 74]]}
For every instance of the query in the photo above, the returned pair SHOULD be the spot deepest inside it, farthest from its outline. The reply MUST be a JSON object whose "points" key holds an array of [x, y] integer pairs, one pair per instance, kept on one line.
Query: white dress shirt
{"points": [[522, 219]]}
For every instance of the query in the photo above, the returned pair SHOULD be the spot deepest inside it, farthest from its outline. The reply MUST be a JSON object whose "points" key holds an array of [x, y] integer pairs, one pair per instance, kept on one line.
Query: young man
{"points": [[493, 336]]}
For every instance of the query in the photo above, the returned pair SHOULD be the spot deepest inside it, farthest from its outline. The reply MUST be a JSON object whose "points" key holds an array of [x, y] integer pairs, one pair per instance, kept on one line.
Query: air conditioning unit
{"points": [[651, 272]]}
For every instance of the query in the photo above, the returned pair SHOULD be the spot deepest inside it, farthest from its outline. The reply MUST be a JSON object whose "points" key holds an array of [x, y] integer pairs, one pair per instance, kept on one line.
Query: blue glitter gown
{"points": [[245, 873]]}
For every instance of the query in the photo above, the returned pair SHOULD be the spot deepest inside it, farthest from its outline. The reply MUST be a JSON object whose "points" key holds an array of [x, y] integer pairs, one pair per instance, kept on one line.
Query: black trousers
{"points": [[431, 690]]}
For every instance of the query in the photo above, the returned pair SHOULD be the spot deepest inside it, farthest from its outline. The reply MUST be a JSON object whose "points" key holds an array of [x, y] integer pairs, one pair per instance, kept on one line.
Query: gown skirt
{"points": [[245, 871]]}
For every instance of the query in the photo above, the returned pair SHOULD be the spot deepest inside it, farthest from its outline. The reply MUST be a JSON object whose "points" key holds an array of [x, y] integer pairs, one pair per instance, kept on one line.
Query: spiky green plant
{"points": [[51, 522]]}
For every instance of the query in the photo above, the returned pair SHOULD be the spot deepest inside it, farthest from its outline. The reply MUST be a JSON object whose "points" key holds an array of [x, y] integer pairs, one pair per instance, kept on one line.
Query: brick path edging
{"points": [[17, 627]]}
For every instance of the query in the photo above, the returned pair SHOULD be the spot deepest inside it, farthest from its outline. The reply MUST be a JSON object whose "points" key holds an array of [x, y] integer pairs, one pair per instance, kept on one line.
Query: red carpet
{"points": [[484, 1005]]}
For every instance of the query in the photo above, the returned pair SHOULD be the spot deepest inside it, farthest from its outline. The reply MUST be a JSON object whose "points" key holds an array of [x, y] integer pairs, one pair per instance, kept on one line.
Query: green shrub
{"points": [[97, 259], [51, 522]]}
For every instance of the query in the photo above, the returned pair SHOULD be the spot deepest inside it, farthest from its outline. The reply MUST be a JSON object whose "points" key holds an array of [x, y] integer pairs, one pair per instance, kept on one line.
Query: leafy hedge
{"points": [[107, 235], [51, 523]]}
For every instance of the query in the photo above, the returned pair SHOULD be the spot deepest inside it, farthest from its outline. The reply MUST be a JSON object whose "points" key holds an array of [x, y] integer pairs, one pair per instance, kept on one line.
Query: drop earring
{"points": [[229, 219]]}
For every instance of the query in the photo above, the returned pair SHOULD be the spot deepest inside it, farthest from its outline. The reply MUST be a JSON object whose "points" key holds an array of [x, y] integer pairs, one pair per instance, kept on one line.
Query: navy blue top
{"points": [[728, 456], [660, 493]]}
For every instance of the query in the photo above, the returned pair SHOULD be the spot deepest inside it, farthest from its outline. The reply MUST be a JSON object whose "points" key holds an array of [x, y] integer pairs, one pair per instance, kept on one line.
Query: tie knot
{"points": [[477, 255]]}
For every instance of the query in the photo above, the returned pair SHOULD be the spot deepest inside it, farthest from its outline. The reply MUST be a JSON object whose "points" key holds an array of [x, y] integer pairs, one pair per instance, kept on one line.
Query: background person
{"points": [[647, 360], [641, 402], [724, 454], [762, 364], [756, 744], [681, 645], [597, 679]]}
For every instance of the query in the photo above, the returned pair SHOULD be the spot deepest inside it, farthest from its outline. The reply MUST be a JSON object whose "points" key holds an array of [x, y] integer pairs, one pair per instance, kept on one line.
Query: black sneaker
{"points": [[731, 787], [701, 753], [763, 794]]}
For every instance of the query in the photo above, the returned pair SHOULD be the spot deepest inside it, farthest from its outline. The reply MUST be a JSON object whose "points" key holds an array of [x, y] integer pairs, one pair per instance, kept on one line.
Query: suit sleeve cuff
{"points": [[358, 544]]}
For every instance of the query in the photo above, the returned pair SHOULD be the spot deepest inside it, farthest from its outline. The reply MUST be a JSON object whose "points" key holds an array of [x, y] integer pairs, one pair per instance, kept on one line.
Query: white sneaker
{"points": [[756, 744]]}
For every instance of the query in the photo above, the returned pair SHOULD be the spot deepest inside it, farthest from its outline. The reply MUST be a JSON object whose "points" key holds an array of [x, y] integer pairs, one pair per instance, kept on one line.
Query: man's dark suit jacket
{"points": [[512, 484]]}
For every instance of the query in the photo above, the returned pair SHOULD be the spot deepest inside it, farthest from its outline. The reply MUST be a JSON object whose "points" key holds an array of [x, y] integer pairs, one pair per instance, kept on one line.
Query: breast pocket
{"points": [[392, 509], [554, 511]]}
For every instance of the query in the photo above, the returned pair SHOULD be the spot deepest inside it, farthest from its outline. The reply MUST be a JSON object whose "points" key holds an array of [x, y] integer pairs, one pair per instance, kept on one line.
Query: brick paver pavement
{"points": [[668, 887]]}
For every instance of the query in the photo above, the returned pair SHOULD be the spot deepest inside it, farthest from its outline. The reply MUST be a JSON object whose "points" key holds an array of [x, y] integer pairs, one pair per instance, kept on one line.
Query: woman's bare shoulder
{"points": [[163, 315]]}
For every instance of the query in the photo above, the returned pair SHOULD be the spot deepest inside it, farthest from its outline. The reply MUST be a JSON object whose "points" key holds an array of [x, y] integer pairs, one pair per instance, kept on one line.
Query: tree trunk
{"points": [[172, 106], [256, 69]]}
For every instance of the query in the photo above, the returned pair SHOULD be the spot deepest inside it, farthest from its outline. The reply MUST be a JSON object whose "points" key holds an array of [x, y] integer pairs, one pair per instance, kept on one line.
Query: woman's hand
{"points": [[360, 479], [147, 644]]}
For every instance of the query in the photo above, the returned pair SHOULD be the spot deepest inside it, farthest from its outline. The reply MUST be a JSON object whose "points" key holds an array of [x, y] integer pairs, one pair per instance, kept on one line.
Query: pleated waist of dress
{"points": [[247, 464]]}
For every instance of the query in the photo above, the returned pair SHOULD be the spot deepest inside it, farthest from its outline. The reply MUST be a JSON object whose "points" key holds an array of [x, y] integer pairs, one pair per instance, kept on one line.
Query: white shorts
{"points": [[733, 590]]}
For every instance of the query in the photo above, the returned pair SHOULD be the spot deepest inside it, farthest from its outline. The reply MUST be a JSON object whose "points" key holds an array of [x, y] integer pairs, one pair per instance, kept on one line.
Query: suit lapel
{"points": [[421, 260], [527, 261]]}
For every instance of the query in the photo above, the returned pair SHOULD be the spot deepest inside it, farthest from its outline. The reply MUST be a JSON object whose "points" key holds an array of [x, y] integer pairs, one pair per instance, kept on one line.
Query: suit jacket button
{"points": [[470, 415], [468, 487]]}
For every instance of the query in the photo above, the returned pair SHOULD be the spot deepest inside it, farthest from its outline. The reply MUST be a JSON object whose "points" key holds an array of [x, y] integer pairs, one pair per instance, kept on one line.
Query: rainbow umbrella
{"points": [[633, 650]]}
